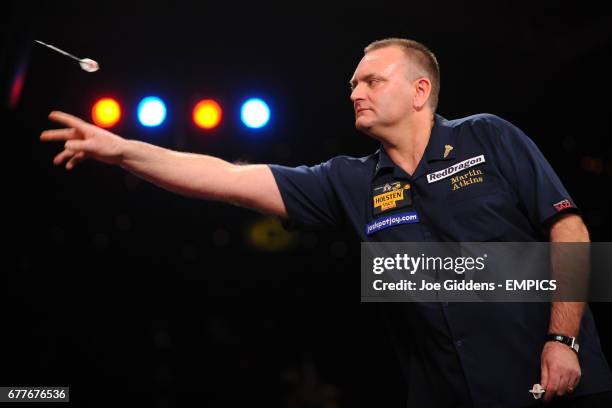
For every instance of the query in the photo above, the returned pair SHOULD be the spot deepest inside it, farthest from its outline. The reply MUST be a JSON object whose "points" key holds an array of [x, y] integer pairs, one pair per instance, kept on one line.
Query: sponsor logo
{"points": [[391, 221], [391, 195], [449, 171], [388, 200], [562, 205]]}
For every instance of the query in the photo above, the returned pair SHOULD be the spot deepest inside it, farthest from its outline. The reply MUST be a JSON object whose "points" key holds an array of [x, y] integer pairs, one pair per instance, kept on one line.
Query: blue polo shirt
{"points": [[480, 179]]}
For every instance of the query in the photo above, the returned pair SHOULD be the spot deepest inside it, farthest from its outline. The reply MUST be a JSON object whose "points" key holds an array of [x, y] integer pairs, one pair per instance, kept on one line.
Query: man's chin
{"points": [[363, 127], [362, 124]]}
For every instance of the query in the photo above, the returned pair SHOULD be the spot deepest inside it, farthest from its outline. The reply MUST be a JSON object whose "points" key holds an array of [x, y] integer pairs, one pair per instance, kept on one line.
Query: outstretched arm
{"points": [[189, 174]]}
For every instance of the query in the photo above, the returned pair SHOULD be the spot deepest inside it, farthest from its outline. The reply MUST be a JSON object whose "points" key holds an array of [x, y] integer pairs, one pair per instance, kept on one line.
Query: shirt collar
{"points": [[441, 146]]}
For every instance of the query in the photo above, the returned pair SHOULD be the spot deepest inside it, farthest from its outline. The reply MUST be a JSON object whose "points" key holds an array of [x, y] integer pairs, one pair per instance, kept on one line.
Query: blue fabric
{"points": [[480, 179]]}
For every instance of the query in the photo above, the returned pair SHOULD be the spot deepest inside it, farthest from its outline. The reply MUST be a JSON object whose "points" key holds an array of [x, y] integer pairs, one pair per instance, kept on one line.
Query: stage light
{"points": [[268, 234], [106, 112], [255, 113], [207, 114], [151, 111]]}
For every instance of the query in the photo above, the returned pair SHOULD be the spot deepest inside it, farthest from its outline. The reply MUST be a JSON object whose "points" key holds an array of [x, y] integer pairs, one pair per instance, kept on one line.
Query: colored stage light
{"points": [[106, 112], [268, 234], [255, 113], [207, 114], [151, 111]]}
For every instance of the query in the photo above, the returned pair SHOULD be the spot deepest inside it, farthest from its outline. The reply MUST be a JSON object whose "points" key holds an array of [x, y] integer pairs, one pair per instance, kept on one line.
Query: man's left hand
{"points": [[560, 370]]}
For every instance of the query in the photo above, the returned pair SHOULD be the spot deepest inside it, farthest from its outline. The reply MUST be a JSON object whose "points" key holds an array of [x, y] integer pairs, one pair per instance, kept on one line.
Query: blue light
{"points": [[151, 111], [255, 113]]}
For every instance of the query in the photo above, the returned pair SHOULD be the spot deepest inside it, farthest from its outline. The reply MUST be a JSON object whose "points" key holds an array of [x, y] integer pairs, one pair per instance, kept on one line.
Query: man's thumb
{"points": [[544, 376]]}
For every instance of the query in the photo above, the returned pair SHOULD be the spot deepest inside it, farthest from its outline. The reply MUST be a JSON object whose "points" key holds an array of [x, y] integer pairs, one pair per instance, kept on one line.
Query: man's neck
{"points": [[406, 145]]}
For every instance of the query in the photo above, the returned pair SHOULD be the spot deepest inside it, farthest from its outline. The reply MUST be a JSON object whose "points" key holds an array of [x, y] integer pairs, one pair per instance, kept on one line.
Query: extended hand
{"points": [[83, 141], [560, 370]]}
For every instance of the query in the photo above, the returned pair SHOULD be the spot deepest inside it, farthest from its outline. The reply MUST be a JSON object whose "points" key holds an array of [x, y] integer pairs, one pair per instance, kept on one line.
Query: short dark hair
{"points": [[421, 56]]}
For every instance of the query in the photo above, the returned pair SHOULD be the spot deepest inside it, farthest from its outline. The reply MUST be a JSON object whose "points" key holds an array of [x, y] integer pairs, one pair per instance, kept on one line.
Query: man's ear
{"points": [[422, 87]]}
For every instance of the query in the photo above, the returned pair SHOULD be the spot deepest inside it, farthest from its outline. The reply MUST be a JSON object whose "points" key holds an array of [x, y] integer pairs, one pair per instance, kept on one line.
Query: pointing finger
{"points": [[58, 134], [67, 119]]}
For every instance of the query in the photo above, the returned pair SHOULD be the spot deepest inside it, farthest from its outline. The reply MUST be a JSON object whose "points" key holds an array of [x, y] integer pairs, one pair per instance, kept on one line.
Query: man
{"points": [[473, 179]]}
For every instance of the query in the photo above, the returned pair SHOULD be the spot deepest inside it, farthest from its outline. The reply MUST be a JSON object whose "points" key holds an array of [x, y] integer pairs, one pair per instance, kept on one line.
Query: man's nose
{"points": [[357, 93]]}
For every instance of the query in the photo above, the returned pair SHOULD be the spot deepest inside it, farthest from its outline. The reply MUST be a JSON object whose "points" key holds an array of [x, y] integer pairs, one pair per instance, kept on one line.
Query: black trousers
{"points": [[599, 400]]}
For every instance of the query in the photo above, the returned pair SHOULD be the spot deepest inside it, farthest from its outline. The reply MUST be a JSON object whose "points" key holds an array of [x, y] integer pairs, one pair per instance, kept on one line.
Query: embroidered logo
{"points": [[473, 176], [562, 205]]}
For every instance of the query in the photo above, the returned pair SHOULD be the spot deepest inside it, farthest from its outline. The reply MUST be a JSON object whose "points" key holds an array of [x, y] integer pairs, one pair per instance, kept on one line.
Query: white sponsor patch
{"points": [[455, 168]]}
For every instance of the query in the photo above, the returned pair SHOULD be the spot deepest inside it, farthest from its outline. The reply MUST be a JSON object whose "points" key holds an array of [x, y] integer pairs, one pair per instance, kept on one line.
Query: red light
{"points": [[207, 114], [106, 112]]}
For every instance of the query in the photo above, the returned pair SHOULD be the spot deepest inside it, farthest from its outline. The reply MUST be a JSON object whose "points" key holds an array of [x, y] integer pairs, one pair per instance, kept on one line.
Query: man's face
{"points": [[382, 92]]}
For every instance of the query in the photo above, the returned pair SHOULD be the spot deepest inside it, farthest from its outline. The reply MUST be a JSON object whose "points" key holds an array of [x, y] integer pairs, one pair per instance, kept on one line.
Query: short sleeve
{"points": [[539, 189], [309, 195]]}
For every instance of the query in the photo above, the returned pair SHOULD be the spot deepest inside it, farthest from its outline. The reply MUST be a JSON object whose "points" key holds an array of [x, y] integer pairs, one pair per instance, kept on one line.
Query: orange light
{"points": [[207, 114], [106, 112]]}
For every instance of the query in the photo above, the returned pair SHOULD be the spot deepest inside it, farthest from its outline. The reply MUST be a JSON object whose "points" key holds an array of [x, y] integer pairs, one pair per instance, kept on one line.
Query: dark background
{"points": [[126, 292]]}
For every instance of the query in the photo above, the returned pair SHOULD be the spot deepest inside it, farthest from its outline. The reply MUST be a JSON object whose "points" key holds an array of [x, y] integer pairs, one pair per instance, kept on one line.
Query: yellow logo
{"points": [[388, 200]]}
